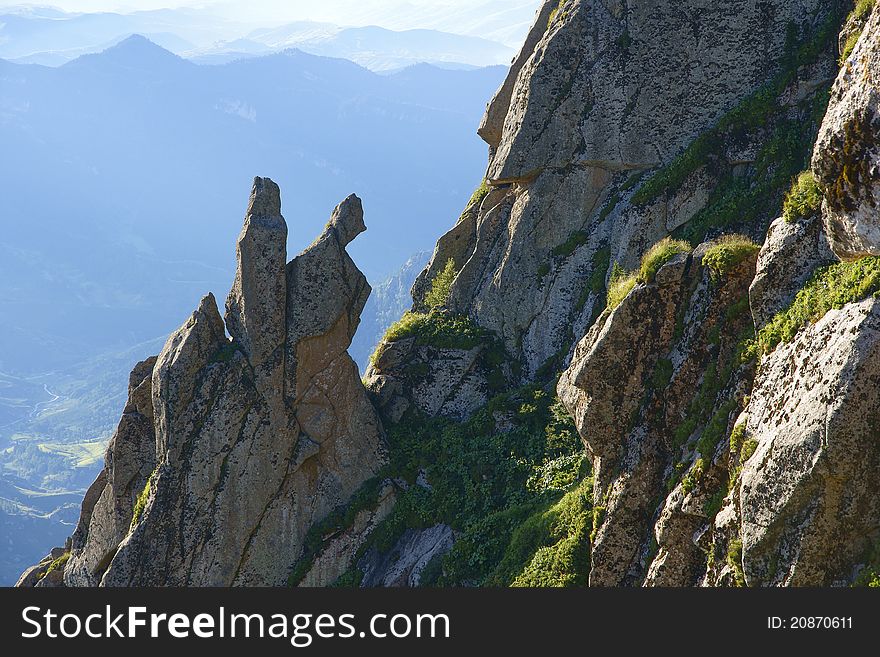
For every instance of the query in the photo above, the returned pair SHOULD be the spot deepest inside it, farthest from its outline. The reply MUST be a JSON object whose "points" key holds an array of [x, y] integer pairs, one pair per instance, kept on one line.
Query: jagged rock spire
{"points": [[242, 470], [255, 308]]}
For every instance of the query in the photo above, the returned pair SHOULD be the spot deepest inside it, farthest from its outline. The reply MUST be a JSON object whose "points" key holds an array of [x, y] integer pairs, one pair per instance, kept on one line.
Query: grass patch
{"points": [[693, 476], [728, 252], [859, 13], [734, 560], [437, 329], [551, 548], [142, 499], [619, 286], [658, 255], [803, 199], [441, 286], [554, 13], [57, 564], [830, 287], [479, 194], [622, 282], [849, 46], [748, 449], [862, 10]]}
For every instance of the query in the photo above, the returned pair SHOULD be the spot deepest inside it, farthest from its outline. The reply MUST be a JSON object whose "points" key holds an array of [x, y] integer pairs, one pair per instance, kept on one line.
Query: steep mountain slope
{"points": [[585, 174], [605, 380], [148, 146]]}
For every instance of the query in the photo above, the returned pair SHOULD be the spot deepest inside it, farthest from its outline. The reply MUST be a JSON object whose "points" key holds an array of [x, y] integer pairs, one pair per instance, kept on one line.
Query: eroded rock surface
{"points": [[645, 385], [250, 440], [791, 253], [846, 159], [810, 497], [609, 91]]}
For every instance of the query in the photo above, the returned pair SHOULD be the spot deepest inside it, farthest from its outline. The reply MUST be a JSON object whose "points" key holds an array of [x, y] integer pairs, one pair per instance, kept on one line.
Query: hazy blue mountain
{"points": [[52, 38], [26, 31], [381, 49], [386, 304], [125, 176]]}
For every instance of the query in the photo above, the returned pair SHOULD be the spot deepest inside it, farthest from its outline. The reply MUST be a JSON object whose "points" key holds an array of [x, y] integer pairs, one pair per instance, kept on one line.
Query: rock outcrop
{"points": [[792, 251], [404, 564], [717, 403], [601, 94], [847, 156], [810, 494], [250, 440], [650, 389]]}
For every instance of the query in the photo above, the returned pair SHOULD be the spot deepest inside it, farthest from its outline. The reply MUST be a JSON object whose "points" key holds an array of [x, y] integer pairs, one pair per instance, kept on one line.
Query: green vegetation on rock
{"points": [[554, 545], [479, 194], [622, 282], [803, 199], [734, 560], [339, 520], [658, 255], [570, 245], [830, 287], [57, 564], [869, 576], [859, 14], [728, 252], [142, 499], [619, 286], [437, 329], [518, 496], [746, 196], [438, 296]]}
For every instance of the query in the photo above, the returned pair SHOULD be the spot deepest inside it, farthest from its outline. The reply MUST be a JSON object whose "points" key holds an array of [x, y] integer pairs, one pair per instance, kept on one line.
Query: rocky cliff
{"points": [[646, 353], [639, 158], [230, 448]]}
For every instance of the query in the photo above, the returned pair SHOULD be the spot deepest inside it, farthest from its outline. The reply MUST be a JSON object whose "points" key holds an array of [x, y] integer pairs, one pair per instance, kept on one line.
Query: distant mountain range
{"points": [[106, 156], [49, 37]]}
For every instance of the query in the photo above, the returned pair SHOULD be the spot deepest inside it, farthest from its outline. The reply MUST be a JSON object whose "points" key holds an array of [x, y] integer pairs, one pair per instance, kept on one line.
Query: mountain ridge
{"points": [[604, 378]]}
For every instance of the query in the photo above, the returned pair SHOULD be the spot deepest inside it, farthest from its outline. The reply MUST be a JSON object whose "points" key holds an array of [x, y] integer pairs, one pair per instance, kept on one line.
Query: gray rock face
{"points": [[643, 387], [35, 575], [108, 507], [846, 159], [404, 564], [252, 439], [580, 102], [791, 253], [610, 89], [810, 495], [337, 555], [492, 126], [256, 304], [445, 382]]}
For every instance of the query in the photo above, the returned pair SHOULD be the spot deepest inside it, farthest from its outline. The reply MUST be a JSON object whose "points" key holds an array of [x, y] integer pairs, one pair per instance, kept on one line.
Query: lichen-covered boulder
{"points": [[846, 159], [792, 251], [810, 494]]}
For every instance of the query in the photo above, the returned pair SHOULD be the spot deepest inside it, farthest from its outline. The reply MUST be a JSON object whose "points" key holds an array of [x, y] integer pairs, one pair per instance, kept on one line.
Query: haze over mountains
{"points": [[386, 37], [123, 176]]}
